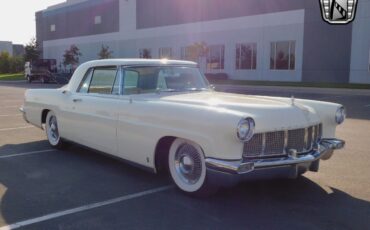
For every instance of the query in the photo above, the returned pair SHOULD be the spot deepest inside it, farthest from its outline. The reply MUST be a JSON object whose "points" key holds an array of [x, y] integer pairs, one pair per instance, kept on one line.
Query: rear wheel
{"points": [[187, 167], [52, 131]]}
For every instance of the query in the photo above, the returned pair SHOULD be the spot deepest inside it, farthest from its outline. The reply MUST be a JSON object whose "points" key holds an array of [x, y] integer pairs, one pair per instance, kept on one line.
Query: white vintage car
{"points": [[163, 114]]}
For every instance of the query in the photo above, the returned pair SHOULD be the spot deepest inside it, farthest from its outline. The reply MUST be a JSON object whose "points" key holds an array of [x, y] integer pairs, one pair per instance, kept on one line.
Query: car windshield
{"points": [[163, 79]]}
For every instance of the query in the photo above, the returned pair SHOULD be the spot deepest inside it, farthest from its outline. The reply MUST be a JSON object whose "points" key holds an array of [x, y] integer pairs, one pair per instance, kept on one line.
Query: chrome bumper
{"points": [[323, 151], [21, 109]]}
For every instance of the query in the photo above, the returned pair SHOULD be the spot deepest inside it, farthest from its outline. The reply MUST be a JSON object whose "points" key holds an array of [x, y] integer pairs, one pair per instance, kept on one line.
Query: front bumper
{"points": [[231, 172]]}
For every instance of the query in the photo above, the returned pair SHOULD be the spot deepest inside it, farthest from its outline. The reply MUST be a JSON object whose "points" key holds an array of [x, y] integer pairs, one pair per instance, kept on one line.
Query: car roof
{"points": [[137, 61], [83, 68]]}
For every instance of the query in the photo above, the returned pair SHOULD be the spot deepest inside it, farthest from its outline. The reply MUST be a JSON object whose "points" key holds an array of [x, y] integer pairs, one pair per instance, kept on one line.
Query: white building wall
{"points": [[260, 29], [361, 44]]}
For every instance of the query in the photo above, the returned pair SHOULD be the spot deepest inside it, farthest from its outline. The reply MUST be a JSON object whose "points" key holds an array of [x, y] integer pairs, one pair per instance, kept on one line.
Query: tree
{"points": [[72, 56], [105, 53], [32, 50], [197, 51], [4, 62], [16, 64], [146, 54]]}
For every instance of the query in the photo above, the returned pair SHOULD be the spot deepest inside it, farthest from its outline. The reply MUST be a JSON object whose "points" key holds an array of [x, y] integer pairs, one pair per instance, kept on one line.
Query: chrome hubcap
{"points": [[53, 132], [188, 164]]}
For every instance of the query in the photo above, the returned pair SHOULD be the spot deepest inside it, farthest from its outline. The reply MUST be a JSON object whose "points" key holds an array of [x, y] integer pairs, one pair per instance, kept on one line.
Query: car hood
{"points": [[270, 113]]}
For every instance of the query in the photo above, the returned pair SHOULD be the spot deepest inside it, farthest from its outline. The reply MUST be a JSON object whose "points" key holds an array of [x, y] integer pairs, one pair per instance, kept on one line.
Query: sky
{"points": [[17, 19]]}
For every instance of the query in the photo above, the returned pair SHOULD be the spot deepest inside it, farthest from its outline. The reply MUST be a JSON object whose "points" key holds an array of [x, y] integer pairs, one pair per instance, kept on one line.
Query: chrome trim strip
{"points": [[305, 139], [263, 144], [313, 137], [233, 167], [326, 148], [285, 141]]}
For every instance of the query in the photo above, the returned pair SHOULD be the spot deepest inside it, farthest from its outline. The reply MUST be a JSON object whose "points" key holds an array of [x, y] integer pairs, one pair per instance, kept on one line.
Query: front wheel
{"points": [[187, 167], [52, 131]]}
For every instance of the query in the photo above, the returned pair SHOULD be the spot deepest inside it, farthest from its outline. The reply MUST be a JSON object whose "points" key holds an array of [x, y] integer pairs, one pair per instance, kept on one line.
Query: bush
{"points": [[216, 76], [10, 64]]}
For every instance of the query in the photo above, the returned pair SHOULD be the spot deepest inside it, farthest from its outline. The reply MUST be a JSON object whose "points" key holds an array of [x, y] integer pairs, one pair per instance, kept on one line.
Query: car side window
{"points": [[84, 86], [103, 80], [130, 83]]}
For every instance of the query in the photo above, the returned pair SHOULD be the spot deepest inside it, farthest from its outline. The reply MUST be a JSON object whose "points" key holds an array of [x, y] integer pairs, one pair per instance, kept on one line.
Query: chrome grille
{"points": [[274, 143], [280, 142], [254, 147], [296, 139], [309, 138]]}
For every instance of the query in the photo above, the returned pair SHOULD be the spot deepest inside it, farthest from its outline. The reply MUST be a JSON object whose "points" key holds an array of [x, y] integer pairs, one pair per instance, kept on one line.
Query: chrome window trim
{"points": [[91, 71]]}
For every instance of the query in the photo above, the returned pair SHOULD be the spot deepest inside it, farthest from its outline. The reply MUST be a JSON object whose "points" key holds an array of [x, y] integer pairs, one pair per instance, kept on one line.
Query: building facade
{"points": [[267, 40], [6, 46], [11, 49]]}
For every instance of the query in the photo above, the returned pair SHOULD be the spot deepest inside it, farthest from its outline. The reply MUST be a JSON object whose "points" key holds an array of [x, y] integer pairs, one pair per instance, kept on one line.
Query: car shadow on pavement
{"points": [[279, 204], [40, 184]]}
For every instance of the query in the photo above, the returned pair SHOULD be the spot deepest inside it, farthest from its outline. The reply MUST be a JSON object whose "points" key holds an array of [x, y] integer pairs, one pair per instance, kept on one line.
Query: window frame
{"points": [[160, 52], [53, 27], [274, 44], [253, 64], [91, 71], [128, 67], [222, 51], [98, 20]]}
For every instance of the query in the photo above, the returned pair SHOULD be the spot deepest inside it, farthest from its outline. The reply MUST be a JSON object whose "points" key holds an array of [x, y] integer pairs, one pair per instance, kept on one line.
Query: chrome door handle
{"points": [[77, 100]]}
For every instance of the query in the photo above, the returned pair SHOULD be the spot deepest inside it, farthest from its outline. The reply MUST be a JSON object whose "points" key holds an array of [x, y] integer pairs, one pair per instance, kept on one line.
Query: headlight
{"points": [[340, 115], [245, 129]]}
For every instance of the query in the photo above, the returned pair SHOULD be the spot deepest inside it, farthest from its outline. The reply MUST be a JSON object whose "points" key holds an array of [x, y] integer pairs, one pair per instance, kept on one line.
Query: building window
{"points": [[282, 55], [188, 53], [97, 20], [52, 28], [216, 57], [165, 52], [246, 56], [145, 53]]}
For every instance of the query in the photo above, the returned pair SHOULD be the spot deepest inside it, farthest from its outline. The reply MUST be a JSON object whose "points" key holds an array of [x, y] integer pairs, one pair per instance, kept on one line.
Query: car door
{"points": [[93, 113]]}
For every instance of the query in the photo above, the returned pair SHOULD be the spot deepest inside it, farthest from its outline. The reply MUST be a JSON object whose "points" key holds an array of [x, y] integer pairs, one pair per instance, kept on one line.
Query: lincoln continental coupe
{"points": [[163, 115]]}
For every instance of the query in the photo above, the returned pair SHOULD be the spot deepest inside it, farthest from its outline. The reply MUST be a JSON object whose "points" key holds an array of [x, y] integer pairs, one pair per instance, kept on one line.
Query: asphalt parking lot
{"points": [[43, 188]]}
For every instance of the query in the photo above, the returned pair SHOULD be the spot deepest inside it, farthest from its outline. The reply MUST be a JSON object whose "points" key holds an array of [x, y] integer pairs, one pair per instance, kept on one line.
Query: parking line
{"points": [[10, 106], [27, 153], [84, 208], [22, 127], [10, 115]]}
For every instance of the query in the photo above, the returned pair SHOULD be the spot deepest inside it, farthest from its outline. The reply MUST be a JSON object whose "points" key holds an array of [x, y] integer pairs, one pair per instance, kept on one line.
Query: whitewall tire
{"points": [[187, 167], [52, 131]]}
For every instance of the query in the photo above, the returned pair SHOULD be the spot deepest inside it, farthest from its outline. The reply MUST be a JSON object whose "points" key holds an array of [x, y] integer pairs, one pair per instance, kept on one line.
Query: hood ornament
{"points": [[292, 100]]}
